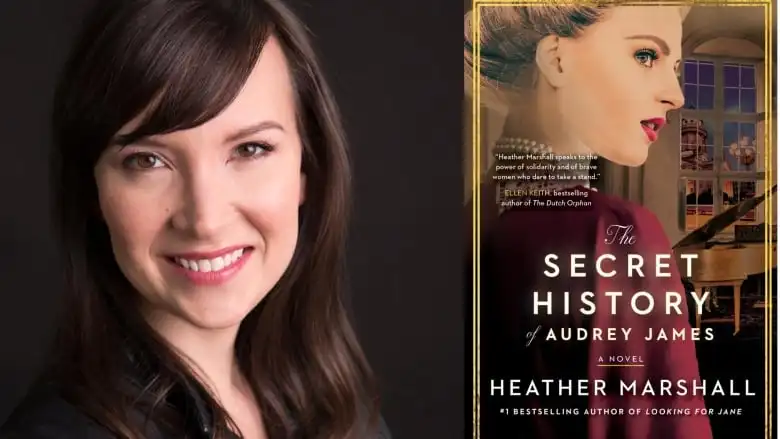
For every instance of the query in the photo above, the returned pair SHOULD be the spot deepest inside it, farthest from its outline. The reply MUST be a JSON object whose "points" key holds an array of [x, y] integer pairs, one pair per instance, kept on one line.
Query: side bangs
{"points": [[194, 86]]}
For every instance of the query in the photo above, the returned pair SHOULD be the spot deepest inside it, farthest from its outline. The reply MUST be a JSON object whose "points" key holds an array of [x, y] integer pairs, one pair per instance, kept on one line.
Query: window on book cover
{"points": [[697, 146], [699, 202], [740, 150], [699, 84], [721, 138], [740, 146], [736, 191], [739, 88]]}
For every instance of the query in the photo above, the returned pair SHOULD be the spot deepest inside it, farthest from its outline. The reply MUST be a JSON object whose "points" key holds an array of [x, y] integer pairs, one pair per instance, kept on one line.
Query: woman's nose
{"points": [[671, 93], [204, 206]]}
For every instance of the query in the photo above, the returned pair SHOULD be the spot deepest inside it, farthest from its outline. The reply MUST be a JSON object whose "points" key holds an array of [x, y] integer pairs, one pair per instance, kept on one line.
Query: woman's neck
{"points": [[534, 115], [209, 352], [211, 355]]}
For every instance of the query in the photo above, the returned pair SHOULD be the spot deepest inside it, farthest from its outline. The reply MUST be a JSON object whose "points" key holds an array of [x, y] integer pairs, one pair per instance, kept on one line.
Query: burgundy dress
{"points": [[512, 266]]}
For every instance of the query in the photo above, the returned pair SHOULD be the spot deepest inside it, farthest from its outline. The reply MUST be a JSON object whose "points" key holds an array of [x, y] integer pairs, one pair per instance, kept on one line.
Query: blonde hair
{"points": [[509, 36]]}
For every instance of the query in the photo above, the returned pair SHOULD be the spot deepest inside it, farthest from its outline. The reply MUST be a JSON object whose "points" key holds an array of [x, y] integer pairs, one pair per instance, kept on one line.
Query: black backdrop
{"points": [[397, 71]]}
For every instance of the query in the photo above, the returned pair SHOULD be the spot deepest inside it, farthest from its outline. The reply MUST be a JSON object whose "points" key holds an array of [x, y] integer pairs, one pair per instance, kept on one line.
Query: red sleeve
{"points": [[512, 267], [662, 360], [512, 270]]}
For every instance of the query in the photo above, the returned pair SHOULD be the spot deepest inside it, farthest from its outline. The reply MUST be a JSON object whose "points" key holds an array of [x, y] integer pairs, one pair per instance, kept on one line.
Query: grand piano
{"points": [[728, 264]]}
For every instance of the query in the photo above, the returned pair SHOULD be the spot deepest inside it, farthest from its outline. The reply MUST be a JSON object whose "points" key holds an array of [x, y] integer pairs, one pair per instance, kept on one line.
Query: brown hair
{"points": [[180, 63]]}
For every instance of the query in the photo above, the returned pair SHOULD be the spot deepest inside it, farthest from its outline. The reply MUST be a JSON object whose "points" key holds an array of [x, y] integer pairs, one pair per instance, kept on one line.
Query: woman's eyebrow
{"points": [[121, 140], [253, 129], [663, 45]]}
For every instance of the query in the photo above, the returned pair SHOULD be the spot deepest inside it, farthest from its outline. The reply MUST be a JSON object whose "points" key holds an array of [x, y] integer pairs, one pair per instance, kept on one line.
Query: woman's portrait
{"points": [[202, 186], [574, 83]]}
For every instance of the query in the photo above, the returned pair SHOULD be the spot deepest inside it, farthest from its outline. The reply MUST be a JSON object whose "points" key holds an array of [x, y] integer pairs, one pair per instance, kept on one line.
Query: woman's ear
{"points": [[548, 60]]}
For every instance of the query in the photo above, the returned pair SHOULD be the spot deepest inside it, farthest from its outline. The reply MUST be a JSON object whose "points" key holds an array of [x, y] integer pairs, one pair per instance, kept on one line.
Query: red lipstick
{"points": [[652, 126]]}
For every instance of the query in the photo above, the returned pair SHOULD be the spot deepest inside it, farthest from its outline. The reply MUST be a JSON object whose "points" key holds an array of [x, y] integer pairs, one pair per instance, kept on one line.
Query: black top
{"points": [[44, 414]]}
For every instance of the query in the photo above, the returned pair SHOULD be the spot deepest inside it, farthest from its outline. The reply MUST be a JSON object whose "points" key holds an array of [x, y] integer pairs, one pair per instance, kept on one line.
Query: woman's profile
{"points": [[202, 189], [578, 81]]}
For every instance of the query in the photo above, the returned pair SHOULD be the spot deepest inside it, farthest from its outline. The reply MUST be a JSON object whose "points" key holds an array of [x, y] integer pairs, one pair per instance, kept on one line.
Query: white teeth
{"points": [[209, 265]]}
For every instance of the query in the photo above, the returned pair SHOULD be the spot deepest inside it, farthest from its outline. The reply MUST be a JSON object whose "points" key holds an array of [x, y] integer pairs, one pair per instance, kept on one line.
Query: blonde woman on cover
{"points": [[579, 80]]}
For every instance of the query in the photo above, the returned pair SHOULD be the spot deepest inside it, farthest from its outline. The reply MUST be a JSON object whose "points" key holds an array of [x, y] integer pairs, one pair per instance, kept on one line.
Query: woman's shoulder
{"points": [[623, 213], [622, 207], [44, 414], [554, 217], [577, 228]]}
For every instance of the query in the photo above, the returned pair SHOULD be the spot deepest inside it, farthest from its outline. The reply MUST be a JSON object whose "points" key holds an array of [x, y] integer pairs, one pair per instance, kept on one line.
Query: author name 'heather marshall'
{"points": [[548, 387]]}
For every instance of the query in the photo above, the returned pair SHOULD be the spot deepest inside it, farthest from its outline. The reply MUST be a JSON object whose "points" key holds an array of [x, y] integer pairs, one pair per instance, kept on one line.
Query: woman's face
{"points": [[204, 222], [620, 79]]}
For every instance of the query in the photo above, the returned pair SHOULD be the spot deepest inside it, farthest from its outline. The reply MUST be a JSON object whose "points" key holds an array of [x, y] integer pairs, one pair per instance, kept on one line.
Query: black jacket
{"points": [[45, 415]]}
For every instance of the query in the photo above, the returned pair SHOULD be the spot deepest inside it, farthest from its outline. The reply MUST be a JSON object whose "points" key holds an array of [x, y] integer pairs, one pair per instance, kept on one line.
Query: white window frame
{"points": [[716, 118]]}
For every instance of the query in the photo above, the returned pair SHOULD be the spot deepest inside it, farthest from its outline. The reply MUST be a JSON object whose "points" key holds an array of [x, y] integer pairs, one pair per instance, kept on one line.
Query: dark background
{"points": [[397, 71]]}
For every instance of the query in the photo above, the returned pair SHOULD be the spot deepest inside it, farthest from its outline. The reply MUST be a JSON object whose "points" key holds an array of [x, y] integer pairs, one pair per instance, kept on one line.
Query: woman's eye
{"points": [[646, 57], [142, 161], [250, 150]]}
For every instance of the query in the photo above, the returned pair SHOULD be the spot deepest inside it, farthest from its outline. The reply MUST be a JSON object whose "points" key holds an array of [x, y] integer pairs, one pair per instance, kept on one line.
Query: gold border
{"points": [[768, 182], [769, 179]]}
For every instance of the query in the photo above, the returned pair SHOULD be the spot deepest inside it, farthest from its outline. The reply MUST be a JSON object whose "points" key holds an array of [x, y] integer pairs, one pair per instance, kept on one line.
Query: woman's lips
{"points": [[652, 126], [215, 270], [652, 135]]}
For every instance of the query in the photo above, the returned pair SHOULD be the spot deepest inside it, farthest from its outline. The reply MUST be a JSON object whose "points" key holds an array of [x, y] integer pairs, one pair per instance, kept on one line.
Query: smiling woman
{"points": [[202, 185], [226, 196]]}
